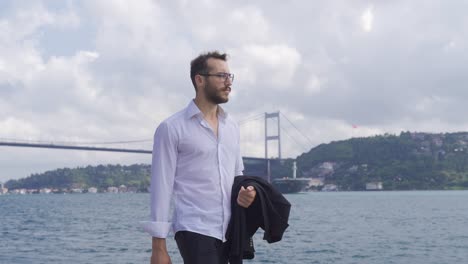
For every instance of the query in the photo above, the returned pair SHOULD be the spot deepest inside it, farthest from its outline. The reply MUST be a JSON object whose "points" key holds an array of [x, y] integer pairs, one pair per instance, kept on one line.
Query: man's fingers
{"points": [[246, 196], [248, 189], [245, 200], [249, 193], [241, 202]]}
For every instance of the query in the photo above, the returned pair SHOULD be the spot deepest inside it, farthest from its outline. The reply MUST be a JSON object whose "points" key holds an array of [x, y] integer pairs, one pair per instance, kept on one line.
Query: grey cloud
{"points": [[407, 72]]}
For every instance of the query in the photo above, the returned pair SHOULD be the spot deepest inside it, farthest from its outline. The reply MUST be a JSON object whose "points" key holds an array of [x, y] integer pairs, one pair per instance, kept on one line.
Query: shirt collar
{"points": [[221, 113], [193, 110]]}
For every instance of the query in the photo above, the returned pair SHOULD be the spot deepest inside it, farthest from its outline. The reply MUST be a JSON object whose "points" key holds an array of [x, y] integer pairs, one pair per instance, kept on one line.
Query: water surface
{"points": [[340, 227]]}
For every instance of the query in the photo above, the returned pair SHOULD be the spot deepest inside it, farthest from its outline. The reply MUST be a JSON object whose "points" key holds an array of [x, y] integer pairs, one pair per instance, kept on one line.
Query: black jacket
{"points": [[270, 211]]}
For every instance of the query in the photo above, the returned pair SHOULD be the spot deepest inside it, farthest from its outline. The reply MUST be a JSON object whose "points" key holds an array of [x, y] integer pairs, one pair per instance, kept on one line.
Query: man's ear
{"points": [[199, 81]]}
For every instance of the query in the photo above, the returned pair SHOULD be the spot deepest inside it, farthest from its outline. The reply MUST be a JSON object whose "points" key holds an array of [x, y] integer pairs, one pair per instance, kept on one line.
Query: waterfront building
{"points": [[112, 189], [317, 182], [76, 190], [45, 190], [374, 186], [122, 188], [3, 190], [92, 190], [330, 188]]}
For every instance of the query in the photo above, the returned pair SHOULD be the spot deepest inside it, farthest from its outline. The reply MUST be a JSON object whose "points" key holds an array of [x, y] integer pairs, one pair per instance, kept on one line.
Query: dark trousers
{"points": [[200, 249]]}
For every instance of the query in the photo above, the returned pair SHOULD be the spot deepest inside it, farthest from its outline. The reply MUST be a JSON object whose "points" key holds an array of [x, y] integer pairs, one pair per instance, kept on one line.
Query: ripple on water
{"points": [[385, 227]]}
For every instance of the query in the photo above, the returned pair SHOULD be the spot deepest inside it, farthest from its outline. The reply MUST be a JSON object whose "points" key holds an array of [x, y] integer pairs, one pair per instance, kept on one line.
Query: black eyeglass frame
{"points": [[224, 75]]}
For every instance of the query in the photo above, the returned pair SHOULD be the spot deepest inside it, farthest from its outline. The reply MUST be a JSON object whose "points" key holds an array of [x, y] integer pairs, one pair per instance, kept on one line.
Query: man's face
{"points": [[217, 88]]}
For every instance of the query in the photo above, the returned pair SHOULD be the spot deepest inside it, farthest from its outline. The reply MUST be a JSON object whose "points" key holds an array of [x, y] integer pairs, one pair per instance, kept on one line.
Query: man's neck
{"points": [[208, 109]]}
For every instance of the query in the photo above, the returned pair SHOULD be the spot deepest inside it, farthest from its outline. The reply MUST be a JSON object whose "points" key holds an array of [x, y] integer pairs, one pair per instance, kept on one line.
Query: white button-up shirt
{"points": [[195, 168]]}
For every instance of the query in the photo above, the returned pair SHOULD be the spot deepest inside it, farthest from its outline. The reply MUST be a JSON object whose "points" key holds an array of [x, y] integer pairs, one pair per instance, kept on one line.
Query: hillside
{"points": [[409, 161], [101, 177]]}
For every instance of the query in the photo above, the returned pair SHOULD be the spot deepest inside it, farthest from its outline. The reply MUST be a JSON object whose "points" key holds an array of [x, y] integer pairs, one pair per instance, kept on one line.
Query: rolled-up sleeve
{"points": [[163, 170]]}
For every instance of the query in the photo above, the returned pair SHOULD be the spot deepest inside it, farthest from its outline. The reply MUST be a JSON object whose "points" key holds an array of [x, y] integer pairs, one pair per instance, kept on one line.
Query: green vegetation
{"points": [[410, 161], [101, 177]]}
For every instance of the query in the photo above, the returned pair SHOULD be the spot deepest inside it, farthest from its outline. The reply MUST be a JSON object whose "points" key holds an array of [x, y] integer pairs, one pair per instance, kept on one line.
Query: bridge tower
{"points": [[277, 137]]}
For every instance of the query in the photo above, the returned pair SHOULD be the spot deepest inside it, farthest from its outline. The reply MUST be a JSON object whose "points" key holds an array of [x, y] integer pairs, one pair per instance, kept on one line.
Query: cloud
{"points": [[19, 128], [272, 65], [367, 19], [314, 85], [112, 70]]}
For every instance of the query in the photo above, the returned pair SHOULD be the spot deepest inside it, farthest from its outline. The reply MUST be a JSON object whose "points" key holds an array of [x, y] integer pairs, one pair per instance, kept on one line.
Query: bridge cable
{"points": [[295, 141], [251, 118], [306, 137], [77, 143]]}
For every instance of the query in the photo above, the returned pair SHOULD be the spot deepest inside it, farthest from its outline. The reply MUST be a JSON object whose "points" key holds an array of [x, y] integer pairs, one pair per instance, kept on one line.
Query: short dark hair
{"points": [[199, 65]]}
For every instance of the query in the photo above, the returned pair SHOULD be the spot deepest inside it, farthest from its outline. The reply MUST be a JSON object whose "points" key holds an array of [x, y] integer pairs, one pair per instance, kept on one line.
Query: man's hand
{"points": [[160, 255], [246, 196], [160, 258]]}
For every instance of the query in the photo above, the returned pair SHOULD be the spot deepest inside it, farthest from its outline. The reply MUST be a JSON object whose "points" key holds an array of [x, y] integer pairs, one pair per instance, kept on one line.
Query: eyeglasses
{"points": [[221, 75]]}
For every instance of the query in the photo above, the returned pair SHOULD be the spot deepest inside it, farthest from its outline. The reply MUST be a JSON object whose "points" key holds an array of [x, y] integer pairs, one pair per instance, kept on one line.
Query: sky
{"points": [[89, 72]]}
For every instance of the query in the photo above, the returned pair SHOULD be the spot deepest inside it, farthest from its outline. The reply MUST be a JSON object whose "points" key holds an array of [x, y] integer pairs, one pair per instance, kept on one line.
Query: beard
{"points": [[213, 94]]}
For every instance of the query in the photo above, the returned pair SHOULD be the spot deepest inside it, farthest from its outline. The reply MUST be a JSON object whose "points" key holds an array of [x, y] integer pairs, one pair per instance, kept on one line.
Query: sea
{"points": [[325, 227]]}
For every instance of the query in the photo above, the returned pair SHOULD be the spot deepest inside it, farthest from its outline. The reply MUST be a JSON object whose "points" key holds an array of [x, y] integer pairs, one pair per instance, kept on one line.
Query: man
{"points": [[196, 156]]}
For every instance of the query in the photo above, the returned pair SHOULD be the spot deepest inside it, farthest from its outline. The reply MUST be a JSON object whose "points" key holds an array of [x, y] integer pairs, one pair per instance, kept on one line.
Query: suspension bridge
{"points": [[250, 128]]}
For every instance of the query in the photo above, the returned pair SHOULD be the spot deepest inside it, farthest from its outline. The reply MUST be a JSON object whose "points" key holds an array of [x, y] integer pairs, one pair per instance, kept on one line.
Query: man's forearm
{"points": [[159, 244], [159, 255]]}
